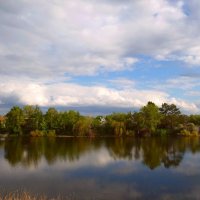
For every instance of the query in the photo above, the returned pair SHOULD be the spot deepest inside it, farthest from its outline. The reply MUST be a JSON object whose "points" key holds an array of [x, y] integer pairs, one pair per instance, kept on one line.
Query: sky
{"points": [[100, 56]]}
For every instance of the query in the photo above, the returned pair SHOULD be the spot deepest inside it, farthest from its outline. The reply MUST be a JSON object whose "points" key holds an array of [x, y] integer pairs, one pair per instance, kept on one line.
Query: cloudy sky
{"points": [[100, 55]]}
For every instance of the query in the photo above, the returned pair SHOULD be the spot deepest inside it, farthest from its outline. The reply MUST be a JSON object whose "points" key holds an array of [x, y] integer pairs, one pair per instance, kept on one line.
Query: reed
{"points": [[22, 195]]}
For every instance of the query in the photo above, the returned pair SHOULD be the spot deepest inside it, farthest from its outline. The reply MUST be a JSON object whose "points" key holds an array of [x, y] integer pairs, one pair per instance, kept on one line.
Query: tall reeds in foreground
{"points": [[19, 195]]}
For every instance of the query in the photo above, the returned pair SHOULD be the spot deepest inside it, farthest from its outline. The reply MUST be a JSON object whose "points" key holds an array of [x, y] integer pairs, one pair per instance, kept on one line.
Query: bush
{"points": [[39, 133], [184, 132], [51, 133], [130, 133], [162, 132], [194, 133]]}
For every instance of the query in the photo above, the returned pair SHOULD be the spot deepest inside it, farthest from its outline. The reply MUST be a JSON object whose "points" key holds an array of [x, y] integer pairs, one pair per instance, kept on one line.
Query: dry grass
{"points": [[21, 196], [18, 195]]}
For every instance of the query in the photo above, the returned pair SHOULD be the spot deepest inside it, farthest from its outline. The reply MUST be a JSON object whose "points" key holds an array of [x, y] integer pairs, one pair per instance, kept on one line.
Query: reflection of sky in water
{"points": [[190, 166], [98, 175]]}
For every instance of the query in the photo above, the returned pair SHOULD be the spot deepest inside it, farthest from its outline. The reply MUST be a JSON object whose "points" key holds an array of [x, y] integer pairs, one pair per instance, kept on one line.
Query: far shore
{"points": [[3, 136]]}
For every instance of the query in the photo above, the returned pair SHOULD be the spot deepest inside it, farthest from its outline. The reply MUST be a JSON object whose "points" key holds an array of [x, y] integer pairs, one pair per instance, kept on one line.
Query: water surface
{"points": [[82, 168]]}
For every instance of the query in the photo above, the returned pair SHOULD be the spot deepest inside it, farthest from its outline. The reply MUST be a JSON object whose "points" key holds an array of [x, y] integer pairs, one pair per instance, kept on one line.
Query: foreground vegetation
{"points": [[149, 120], [23, 195]]}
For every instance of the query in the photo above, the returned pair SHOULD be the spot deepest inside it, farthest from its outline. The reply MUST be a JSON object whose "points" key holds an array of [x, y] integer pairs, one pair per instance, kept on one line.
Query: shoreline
{"points": [[4, 136]]}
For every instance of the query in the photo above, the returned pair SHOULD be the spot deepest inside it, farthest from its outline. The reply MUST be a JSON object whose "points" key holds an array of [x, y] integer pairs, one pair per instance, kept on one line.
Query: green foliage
{"points": [[83, 127], [171, 116], [37, 133], [150, 117], [130, 133], [2, 124], [51, 133], [116, 124], [51, 118], [15, 120], [162, 132], [184, 132], [150, 120], [40, 133], [33, 118], [67, 120], [195, 119], [99, 125], [188, 129], [169, 109]]}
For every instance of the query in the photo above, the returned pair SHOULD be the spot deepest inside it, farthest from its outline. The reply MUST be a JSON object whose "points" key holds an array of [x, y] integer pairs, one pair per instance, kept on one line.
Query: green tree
{"points": [[98, 125], [51, 119], [83, 127], [130, 122], [15, 120], [67, 120], [138, 122], [169, 109], [2, 124], [116, 123], [150, 117], [33, 118], [171, 116], [195, 119]]}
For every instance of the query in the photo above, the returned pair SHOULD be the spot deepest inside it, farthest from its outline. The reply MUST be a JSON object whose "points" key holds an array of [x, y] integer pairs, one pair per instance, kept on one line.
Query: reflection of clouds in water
{"points": [[193, 194], [18, 170], [69, 181], [97, 159], [190, 166], [93, 189], [126, 168], [83, 171], [100, 158]]}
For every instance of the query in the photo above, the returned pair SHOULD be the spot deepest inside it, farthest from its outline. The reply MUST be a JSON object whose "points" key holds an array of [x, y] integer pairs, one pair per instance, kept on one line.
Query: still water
{"points": [[82, 168]]}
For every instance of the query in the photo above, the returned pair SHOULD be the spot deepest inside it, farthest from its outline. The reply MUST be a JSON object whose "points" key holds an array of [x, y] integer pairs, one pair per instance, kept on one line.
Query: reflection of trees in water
{"points": [[120, 148], [159, 151], [153, 152], [1, 143], [30, 151], [23, 151]]}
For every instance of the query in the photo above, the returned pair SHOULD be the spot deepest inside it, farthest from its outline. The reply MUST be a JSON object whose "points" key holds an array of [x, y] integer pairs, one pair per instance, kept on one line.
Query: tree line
{"points": [[149, 120]]}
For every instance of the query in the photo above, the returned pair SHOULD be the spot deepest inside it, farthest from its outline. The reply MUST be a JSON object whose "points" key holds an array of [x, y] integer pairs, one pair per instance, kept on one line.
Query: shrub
{"points": [[130, 133], [184, 132], [51, 133], [194, 133], [162, 132], [37, 133]]}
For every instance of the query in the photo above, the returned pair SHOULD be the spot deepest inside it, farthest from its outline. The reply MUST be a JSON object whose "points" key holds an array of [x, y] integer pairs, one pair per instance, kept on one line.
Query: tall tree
{"points": [[33, 118], [150, 117], [116, 122], [170, 116], [51, 119], [67, 120], [83, 126], [2, 124], [195, 119], [169, 109], [15, 120]]}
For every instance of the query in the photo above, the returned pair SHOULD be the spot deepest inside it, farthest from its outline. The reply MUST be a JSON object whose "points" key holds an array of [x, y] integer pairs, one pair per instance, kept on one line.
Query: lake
{"points": [[109, 168]]}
